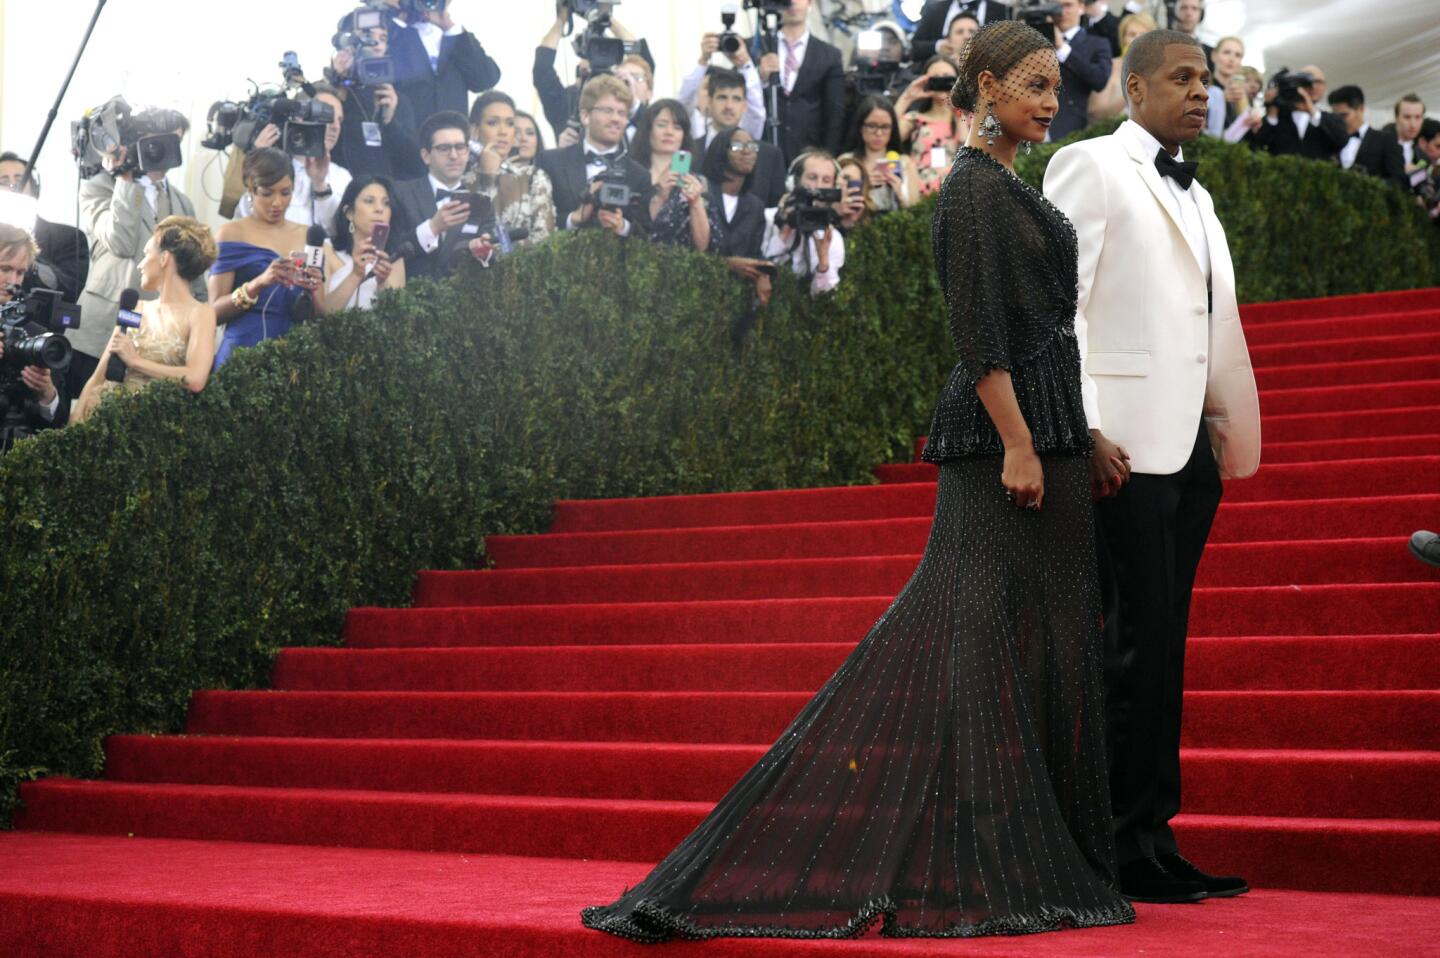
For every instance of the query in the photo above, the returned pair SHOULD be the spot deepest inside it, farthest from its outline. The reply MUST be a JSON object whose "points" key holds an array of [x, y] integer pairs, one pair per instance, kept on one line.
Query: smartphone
{"points": [[768, 268], [379, 235], [856, 186], [680, 163], [941, 84]]}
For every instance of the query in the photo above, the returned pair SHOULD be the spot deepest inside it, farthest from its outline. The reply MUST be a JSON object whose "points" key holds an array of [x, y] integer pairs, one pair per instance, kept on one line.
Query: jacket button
{"points": [[1200, 358], [1200, 310]]}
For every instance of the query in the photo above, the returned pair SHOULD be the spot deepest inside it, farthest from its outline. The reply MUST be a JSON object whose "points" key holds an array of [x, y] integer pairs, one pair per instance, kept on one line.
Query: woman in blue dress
{"points": [[255, 286]]}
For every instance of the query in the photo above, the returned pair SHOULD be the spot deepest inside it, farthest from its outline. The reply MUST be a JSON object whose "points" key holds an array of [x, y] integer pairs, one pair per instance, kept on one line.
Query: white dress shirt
{"points": [[955, 12], [1063, 53], [1191, 223], [787, 77], [1351, 149], [424, 235], [1408, 148], [431, 36], [152, 191], [805, 257]]}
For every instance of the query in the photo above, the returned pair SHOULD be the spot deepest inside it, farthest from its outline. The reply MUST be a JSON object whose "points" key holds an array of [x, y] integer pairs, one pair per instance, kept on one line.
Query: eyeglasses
{"points": [[751, 147], [454, 149], [876, 127]]}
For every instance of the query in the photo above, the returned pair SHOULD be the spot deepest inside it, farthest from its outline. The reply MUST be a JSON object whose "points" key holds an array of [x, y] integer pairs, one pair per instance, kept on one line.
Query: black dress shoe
{"points": [[1425, 546], [1145, 880], [1216, 886]]}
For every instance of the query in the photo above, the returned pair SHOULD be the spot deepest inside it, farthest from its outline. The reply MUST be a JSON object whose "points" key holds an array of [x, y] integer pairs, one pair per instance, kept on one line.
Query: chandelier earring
{"points": [[990, 126]]}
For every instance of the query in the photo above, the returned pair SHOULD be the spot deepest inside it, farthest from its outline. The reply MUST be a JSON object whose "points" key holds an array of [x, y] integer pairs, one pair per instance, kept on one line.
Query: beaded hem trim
{"points": [[661, 923]]}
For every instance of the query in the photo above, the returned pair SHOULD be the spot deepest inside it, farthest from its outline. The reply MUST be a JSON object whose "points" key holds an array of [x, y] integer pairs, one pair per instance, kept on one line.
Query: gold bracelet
{"points": [[242, 298]]}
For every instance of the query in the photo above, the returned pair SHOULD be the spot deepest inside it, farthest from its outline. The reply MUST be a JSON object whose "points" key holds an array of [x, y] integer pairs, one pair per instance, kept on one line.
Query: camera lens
{"points": [[730, 43]]}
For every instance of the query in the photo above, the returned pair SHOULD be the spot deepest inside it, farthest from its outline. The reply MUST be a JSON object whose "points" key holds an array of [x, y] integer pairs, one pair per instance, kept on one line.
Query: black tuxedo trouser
{"points": [[1151, 538]]}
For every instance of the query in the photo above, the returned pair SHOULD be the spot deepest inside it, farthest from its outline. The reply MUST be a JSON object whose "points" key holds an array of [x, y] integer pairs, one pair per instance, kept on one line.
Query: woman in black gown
{"points": [[950, 776]]}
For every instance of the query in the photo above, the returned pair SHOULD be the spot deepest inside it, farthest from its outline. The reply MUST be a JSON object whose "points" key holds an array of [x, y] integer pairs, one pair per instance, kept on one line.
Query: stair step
{"points": [[1359, 307], [1349, 398], [1390, 719], [1338, 327], [1344, 350], [1376, 372]]}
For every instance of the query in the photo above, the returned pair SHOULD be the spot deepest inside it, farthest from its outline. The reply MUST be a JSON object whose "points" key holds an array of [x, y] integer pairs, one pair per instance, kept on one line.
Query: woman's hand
{"points": [[879, 174], [123, 346], [1023, 477], [490, 160], [665, 184], [1109, 467], [914, 91], [694, 194], [280, 272], [894, 180]]}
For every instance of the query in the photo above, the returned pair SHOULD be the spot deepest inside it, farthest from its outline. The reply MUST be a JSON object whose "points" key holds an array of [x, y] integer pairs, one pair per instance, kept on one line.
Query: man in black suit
{"points": [[1409, 115], [1101, 22], [724, 111], [577, 172], [937, 16], [1188, 14], [425, 206], [1298, 127], [438, 63], [1085, 64], [64, 249], [1367, 150], [811, 74]]}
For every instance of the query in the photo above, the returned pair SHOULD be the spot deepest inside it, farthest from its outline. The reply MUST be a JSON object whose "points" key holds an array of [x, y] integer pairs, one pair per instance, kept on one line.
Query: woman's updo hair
{"points": [[996, 48], [190, 242], [265, 168]]}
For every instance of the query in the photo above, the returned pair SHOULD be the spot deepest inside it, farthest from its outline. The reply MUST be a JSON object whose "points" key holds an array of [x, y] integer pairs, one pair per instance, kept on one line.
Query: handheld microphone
{"points": [[127, 318], [315, 246]]}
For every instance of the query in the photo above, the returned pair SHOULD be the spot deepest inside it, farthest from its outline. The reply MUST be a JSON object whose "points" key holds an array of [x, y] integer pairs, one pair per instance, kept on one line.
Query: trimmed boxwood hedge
{"points": [[176, 542]]}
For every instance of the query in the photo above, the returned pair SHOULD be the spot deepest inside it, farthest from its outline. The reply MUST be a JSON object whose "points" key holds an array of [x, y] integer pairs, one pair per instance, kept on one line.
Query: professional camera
{"points": [[775, 7], [872, 73], [369, 70], [604, 53], [149, 138], [1287, 87], [1040, 14], [31, 328], [810, 211], [615, 192], [730, 41], [302, 119]]}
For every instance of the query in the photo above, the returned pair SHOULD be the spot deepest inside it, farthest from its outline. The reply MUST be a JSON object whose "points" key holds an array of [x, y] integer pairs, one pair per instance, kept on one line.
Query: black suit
{"points": [[1085, 70], [65, 250], [931, 29], [769, 182], [415, 202], [813, 112], [745, 232], [1107, 27], [463, 68], [1380, 155], [397, 156], [566, 168], [1322, 141]]}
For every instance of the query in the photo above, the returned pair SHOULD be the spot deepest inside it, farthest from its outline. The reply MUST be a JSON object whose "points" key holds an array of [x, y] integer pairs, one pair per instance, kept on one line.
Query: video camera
{"points": [[1039, 14], [149, 138], [810, 211], [604, 53], [1287, 87], [872, 73], [615, 192], [32, 331], [302, 119], [369, 70]]}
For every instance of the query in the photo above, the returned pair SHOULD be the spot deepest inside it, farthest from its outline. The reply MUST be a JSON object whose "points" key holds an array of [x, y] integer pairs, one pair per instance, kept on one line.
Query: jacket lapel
{"points": [[1152, 179]]}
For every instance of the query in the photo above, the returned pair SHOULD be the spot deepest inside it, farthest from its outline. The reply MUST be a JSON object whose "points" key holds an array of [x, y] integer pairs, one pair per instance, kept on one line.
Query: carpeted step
{"points": [[1401, 850], [1338, 450], [1268, 563], [1265, 719], [239, 899], [1349, 349], [1357, 306], [1377, 372], [1352, 398], [1281, 610], [1236, 522], [1298, 663], [1339, 784], [1282, 481], [1403, 421], [1338, 327]]}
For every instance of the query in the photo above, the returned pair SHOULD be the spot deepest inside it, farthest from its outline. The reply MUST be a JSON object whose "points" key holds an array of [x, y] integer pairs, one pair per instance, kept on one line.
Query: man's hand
{"points": [[39, 381], [1059, 34], [342, 62], [441, 18], [387, 101], [822, 249], [449, 216], [1109, 467], [741, 57], [709, 45], [769, 66], [318, 169], [586, 209], [568, 137], [612, 220]]}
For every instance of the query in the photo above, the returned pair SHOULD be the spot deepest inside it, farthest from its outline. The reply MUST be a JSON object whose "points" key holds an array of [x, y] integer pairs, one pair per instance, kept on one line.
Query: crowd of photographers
{"points": [[406, 158]]}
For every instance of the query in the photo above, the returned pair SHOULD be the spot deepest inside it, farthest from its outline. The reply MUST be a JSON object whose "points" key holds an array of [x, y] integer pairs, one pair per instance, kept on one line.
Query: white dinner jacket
{"points": [[1154, 356]]}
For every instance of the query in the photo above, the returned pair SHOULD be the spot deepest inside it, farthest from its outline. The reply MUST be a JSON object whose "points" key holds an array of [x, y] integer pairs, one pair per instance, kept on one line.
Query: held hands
{"points": [[1023, 477], [1109, 467]]}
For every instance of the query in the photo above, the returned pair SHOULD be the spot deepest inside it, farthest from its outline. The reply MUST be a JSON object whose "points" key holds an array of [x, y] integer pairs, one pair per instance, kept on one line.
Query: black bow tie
{"points": [[1182, 173], [443, 195], [592, 157]]}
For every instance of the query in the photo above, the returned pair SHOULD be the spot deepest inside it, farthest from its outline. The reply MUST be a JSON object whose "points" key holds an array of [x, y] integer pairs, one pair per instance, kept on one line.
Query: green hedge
{"points": [[176, 542]]}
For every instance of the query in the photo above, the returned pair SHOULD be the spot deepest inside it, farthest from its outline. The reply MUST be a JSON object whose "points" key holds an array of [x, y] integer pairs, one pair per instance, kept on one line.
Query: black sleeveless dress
{"points": [[950, 777]]}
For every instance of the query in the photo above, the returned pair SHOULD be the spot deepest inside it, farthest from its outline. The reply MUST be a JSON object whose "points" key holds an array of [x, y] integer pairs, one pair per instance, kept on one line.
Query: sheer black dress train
{"points": [[950, 776]]}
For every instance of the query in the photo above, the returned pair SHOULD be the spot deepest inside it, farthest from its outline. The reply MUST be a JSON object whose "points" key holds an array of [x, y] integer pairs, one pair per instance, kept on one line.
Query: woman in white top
{"points": [[365, 205]]}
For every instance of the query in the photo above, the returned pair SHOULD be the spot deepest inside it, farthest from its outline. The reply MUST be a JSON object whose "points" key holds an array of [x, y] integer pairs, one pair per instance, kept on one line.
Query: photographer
{"points": [[792, 231], [1084, 69], [1293, 124], [752, 120], [45, 406], [377, 124], [938, 20], [579, 172], [319, 181], [679, 207], [812, 75], [724, 108], [438, 63], [119, 210], [1367, 150], [559, 101], [175, 338], [63, 249], [932, 129]]}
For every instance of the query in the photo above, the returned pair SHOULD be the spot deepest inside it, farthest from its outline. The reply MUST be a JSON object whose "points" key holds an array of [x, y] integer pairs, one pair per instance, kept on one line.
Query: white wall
{"points": [[185, 55]]}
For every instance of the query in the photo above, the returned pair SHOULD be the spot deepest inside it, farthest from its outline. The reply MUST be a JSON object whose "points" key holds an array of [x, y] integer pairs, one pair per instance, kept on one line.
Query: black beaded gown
{"points": [[950, 777]]}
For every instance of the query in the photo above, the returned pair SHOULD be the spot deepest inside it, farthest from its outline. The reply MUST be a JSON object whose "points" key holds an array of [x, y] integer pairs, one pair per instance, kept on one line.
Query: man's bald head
{"points": [[1147, 51]]}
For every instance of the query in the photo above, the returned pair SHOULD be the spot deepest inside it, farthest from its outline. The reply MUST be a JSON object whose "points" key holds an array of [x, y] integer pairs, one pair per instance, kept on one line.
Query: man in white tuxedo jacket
{"points": [[1166, 376]]}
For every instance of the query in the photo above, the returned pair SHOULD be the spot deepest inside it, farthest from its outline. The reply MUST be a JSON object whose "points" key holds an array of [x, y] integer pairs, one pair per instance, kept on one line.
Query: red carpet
{"points": [[581, 705]]}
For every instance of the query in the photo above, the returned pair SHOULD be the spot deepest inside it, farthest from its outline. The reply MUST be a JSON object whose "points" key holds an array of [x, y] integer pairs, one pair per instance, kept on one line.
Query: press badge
{"points": [[371, 129]]}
